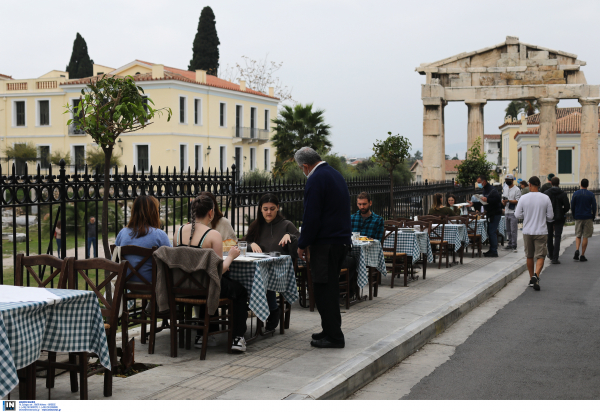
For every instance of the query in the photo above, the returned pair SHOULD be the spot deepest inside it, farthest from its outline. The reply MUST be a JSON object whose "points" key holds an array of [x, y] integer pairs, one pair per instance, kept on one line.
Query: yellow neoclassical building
{"points": [[215, 123]]}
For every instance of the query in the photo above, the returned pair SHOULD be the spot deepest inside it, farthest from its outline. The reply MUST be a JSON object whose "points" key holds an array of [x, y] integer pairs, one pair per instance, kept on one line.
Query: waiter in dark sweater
{"points": [[494, 214], [326, 229]]}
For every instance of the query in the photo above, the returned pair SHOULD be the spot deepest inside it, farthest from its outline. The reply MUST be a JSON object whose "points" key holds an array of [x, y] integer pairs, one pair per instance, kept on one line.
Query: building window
{"points": [[197, 111], [267, 120], [44, 112], [182, 104], [419, 178], [81, 114], [183, 164], [79, 157], [142, 157], [253, 122], [565, 162], [198, 156], [44, 153], [145, 102], [239, 166], [267, 160], [238, 121], [252, 158], [222, 114], [20, 164], [223, 158], [20, 114]]}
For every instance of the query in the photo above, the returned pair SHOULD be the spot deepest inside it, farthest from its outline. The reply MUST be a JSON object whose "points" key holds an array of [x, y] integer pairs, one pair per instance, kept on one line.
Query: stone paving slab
{"points": [[286, 366]]}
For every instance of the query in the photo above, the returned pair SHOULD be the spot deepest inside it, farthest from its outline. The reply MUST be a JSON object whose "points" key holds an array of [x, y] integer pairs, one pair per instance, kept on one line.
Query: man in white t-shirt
{"points": [[510, 197], [535, 209]]}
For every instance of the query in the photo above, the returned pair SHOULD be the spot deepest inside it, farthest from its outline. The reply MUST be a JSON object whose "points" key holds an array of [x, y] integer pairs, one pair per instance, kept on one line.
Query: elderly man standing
{"points": [[326, 229]]}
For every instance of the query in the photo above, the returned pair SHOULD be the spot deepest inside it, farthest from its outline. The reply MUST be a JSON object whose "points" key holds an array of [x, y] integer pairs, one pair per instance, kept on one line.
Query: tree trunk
{"points": [[107, 155], [392, 194]]}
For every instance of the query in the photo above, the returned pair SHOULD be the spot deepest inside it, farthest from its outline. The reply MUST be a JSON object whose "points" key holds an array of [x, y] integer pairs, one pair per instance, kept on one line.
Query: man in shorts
{"points": [[583, 207], [535, 209]]}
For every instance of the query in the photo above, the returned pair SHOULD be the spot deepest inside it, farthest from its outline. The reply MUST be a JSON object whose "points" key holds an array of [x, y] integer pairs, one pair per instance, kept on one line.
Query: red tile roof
{"points": [[570, 124], [491, 136], [535, 118], [172, 73], [5, 75]]}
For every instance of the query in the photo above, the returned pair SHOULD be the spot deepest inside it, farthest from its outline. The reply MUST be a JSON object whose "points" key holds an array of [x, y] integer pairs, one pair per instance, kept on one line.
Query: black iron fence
{"points": [[31, 204]]}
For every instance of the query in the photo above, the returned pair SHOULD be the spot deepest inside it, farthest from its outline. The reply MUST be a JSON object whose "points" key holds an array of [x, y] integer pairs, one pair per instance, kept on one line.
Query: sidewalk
{"points": [[379, 334]]}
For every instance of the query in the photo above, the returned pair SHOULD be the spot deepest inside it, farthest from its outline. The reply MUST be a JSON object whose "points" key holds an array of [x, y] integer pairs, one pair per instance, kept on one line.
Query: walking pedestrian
{"points": [[535, 209], [583, 205], [524, 187], [560, 207], [493, 207], [548, 184], [512, 194], [92, 238], [57, 233], [326, 229]]}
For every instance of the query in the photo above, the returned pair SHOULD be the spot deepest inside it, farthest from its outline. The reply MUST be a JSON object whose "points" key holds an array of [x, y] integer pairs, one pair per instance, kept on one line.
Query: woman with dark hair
{"points": [[271, 232], [220, 223], [438, 208], [143, 230], [200, 234], [450, 202]]}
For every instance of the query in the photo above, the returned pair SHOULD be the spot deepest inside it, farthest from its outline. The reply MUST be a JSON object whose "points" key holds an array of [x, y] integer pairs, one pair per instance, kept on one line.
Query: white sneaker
{"points": [[212, 341], [239, 344]]}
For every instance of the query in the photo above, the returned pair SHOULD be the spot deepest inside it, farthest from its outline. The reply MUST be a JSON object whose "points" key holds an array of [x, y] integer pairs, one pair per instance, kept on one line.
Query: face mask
{"points": [[479, 185], [509, 182]]}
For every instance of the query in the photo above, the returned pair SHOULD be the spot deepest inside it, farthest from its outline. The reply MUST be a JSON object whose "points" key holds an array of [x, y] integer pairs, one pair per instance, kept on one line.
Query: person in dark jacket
{"points": [[271, 232], [548, 184], [560, 207], [92, 238], [583, 205], [494, 213], [327, 230]]}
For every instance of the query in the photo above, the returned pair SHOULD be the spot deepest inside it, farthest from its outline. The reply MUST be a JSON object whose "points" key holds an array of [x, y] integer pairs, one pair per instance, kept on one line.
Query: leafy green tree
{"points": [[57, 155], [517, 106], [455, 157], [95, 159], [80, 65], [474, 165], [297, 127], [206, 44], [24, 152], [390, 153], [109, 107], [418, 155]]}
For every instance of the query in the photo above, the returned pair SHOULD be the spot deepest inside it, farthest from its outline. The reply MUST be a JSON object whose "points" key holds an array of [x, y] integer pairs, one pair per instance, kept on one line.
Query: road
{"points": [[520, 344]]}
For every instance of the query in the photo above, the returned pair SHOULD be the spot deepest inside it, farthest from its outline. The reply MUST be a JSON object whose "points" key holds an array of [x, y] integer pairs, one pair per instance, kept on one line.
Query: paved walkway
{"points": [[286, 366]]}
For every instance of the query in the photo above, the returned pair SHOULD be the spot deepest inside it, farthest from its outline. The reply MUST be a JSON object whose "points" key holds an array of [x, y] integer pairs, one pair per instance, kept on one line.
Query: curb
{"points": [[363, 368]]}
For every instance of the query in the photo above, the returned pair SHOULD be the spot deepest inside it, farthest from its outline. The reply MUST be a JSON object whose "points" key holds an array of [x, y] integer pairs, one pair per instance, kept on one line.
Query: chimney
{"points": [[201, 76], [243, 85], [272, 91], [158, 71], [523, 127]]}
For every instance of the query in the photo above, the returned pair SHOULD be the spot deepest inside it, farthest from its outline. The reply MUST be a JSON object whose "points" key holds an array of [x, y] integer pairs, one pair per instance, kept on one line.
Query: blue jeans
{"points": [[492, 230], [92, 243]]}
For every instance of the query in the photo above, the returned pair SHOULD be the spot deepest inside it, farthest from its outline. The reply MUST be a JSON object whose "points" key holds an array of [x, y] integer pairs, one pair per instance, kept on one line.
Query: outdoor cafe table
{"points": [[258, 276], [415, 244], [72, 324], [482, 228]]}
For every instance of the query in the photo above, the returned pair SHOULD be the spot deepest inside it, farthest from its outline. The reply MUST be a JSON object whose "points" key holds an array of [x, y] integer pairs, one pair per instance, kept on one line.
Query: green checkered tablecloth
{"points": [[74, 324], [411, 243], [482, 228], [368, 254], [454, 234], [276, 274]]}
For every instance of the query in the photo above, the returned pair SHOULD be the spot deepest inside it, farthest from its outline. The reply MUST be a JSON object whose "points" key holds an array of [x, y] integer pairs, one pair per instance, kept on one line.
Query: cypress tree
{"points": [[80, 64], [206, 44]]}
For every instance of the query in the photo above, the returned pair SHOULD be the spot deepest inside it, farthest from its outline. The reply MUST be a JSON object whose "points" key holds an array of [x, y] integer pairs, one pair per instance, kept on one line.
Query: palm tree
{"points": [[297, 127]]}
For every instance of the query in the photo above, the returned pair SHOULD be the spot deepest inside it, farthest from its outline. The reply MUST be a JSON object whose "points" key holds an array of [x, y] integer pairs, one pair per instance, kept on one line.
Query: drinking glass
{"points": [[243, 246]]}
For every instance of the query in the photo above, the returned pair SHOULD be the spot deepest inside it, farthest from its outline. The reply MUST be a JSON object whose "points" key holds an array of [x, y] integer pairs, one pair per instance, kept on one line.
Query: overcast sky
{"points": [[355, 59]]}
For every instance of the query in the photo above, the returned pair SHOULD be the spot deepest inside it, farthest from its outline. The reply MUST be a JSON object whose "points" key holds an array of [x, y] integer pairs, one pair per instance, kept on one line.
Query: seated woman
{"points": [[271, 232], [450, 202], [143, 230], [199, 234], [438, 208], [220, 223]]}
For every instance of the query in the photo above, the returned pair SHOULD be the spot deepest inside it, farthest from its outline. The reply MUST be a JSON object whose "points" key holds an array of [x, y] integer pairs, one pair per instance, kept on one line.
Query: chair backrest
{"points": [[423, 226], [401, 219], [133, 274], [186, 283], [437, 231], [396, 222], [112, 271], [472, 224], [458, 220], [56, 268], [390, 230]]}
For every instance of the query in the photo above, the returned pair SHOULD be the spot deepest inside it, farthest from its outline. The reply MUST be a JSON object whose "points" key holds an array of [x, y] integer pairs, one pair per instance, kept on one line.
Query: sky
{"points": [[354, 59]]}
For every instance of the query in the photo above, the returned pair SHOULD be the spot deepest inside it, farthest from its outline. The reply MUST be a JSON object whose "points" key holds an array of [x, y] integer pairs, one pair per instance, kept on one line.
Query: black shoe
{"points": [[531, 281], [536, 282], [549, 256], [324, 343], [318, 336], [576, 257], [555, 262], [272, 321], [491, 254], [509, 248], [583, 259]]}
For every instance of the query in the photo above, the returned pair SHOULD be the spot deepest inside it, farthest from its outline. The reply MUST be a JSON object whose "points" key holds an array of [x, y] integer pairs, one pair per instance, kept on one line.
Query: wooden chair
{"points": [[137, 287], [398, 260], [474, 238], [304, 281], [421, 225], [345, 286], [78, 361], [188, 291], [436, 238], [459, 220]]}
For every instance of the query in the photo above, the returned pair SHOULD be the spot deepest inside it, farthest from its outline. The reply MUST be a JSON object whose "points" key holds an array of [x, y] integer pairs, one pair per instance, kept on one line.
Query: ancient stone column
{"points": [[475, 127], [547, 137], [588, 164], [434, 146]]}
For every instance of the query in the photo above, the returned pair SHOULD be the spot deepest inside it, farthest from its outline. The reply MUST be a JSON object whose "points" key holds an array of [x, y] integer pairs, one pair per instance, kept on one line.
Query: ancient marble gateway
{"points": [[508, 71]]}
